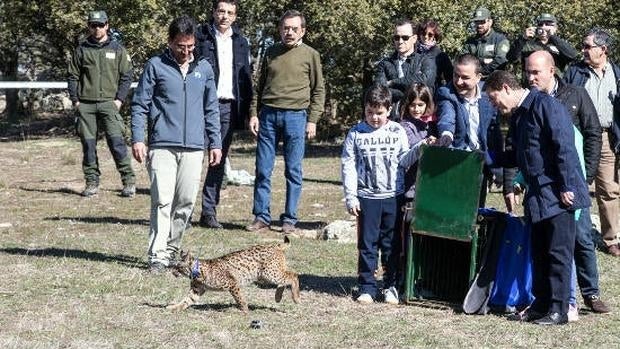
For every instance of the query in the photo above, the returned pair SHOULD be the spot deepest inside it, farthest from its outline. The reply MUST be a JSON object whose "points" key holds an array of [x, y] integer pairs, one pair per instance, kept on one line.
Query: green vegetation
{"points": [[350, 35]]}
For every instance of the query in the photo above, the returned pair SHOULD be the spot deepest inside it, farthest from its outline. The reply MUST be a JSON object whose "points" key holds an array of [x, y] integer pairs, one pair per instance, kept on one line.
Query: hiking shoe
{"points": [[527, 315], [288, 228], [257, 226], [129, 191], [91, 189], [573, 313], [364, 298], [157, 268], [595, 303], [209, 222], [390, 296]]}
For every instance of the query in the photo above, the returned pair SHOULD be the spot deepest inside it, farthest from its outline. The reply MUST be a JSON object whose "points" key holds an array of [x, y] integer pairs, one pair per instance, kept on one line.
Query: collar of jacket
{"points": [[169, 58], [209, 29], [92, 43], [395, 56], [486, 36]]}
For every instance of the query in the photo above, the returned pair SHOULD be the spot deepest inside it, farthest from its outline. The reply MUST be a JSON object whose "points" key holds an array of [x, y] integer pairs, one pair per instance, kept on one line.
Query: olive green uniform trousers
{"points": [[92, 114]]}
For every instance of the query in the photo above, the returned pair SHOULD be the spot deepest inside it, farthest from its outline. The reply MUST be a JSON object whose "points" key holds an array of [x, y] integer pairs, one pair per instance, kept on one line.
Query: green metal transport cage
{"points": [[442, 245]]}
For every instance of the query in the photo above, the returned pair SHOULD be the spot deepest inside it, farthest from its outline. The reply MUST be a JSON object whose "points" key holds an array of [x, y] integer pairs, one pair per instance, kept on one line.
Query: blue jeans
{"points": [[585, 255], [275, 125]]}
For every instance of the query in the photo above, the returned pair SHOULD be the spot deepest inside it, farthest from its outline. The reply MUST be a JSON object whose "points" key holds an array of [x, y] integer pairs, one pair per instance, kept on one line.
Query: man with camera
{"points": [[542, 37]]}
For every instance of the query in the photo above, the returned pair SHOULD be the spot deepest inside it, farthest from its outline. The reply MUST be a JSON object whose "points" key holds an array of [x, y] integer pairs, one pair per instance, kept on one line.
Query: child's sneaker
{"points": [[364, 298], [390, 295], [573, 313]]}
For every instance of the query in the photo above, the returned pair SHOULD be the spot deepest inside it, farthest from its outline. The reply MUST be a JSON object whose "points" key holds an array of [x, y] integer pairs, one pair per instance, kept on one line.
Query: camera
{"points": [[539, 31]]}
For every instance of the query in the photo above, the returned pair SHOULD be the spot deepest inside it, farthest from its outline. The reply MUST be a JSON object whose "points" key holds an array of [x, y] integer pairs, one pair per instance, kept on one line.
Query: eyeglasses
{"points": [[588, 47], [184, 48], [429, 35], [96, 25], [295, 30], [403, 37]]}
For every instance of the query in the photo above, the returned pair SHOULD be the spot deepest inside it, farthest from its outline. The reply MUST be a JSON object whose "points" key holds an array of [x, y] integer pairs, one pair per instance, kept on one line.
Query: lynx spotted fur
{"points": [[262, 263]]}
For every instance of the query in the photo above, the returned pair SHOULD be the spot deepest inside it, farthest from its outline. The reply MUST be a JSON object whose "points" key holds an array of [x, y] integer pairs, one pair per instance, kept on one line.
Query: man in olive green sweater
{"points": [[289, 100], [99, 79]]}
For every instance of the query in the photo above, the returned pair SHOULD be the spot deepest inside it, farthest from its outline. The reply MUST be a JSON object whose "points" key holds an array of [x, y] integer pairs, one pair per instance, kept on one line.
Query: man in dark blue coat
{"points": [[467, 119], [228, 51], [544, 150]]}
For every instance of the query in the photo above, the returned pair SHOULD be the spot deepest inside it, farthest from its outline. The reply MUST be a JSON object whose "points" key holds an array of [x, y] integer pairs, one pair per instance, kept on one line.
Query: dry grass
{"points": [[74, 272]]}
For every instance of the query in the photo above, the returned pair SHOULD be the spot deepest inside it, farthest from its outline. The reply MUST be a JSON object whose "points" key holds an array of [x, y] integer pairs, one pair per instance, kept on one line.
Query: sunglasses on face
{"points": [[96, 25], [429, 35], [403, 37]]}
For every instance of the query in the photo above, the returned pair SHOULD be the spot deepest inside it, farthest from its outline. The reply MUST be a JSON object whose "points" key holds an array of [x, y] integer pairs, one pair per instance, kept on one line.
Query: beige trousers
{"points": [[608, 193], [175, 181]]}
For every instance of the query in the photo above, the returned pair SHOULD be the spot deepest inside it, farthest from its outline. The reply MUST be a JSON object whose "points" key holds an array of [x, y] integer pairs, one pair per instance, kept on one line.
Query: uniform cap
{"points": [[481, 14], [97, 17], [546, 17]]}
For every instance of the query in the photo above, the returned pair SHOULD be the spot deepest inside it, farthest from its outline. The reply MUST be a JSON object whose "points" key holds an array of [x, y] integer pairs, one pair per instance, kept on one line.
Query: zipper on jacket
{"points": [[185, 110]]}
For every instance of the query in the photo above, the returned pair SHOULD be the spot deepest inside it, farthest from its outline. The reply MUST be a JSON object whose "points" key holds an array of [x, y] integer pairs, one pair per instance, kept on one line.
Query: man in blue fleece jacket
{"points": [[176, 94]]}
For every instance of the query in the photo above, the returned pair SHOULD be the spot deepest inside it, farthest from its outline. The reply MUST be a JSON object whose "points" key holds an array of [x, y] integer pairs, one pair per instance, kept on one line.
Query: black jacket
{"points": [[206, 47], [417, 69], [443, 65], [585, 118], [577, 74], [563, 52]]}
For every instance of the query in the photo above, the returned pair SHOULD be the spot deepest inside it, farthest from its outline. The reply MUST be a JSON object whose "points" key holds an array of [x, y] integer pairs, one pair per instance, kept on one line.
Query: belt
{"points": [[225, 101]]}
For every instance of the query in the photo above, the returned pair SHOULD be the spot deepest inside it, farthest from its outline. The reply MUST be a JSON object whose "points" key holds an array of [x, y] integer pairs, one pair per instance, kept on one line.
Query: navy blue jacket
{"points": [[543, 141], [577, 74], [181, 112], [453, 117], [206, 46]]}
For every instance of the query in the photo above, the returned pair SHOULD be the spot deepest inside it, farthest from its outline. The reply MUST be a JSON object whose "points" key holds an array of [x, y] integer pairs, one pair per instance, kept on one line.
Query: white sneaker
{"points": [[573, 313], [390, 295], [364, 298]]}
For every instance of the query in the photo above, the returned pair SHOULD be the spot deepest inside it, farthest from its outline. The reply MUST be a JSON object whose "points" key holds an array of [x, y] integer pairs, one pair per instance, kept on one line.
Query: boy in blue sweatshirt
{"points": [[375, 156]]}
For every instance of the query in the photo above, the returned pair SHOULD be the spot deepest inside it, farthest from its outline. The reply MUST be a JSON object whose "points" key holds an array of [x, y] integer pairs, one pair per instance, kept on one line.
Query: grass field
{"points": [[74, 271]]}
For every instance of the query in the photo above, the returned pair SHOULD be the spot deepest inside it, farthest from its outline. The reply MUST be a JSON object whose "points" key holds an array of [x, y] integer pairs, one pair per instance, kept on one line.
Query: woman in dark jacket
{"points": [[429, 37]]}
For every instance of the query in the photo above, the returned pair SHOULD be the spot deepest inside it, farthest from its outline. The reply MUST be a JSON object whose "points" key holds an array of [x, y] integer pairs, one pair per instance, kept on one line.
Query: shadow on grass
{"points": [[53, 191], [312, 150], [332, 285], [112, 220], [77, 254], [215, 307], [303, 225], [323, 181], [139, 191]]}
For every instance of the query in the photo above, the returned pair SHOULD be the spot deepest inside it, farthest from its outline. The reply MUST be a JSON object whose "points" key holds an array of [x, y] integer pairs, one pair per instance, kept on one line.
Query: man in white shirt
{"points": [[228, 51]]}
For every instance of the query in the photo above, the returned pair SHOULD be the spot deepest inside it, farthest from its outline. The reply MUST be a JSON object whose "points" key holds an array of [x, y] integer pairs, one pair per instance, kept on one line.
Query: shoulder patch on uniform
{"points": [[504, 47]]}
